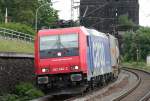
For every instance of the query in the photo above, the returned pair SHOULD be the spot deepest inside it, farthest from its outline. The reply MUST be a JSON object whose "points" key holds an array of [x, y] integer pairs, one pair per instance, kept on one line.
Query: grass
{"points": [[16, 46], [139, 65]]}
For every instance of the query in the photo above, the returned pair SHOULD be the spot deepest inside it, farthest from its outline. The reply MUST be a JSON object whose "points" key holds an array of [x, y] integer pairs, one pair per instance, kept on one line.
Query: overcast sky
{"points": [[65, 10]]}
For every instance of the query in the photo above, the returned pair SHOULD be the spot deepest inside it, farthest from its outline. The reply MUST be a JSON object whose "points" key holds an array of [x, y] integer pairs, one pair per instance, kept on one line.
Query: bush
{"points": [[23, 92], [136, 40], [28, 91], [125, 21], [19, 27], [9, 97]]}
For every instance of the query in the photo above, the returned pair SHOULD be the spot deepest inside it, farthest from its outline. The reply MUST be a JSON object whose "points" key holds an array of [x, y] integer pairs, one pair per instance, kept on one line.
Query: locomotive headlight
{"points": [[45, 70], [76, 67]]}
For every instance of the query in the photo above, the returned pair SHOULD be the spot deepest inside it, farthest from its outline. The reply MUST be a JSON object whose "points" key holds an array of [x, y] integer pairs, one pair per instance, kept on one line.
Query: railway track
{"points": [[141, 91], [137, 88]]}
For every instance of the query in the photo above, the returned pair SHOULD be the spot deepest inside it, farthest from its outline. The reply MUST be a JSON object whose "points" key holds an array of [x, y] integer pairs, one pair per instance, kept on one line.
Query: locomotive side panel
{"points": [[114, 49], [99, 62]]}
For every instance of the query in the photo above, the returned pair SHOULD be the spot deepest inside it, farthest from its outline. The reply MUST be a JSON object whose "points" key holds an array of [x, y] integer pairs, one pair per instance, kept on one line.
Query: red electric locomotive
{"points": [[74, 56]]}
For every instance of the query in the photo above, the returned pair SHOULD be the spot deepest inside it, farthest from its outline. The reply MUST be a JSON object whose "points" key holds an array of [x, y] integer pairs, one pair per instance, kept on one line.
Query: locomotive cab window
{"points": [[48, 42], [59, 45], [69, 40]]}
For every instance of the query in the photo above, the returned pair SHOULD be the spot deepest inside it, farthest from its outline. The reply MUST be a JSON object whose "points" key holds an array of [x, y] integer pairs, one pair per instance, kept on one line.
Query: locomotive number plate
{"points": [[60, 69]]}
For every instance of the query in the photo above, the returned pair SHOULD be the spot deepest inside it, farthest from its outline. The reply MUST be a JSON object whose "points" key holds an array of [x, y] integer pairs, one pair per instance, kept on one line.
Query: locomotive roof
{"points": [[87, 31], [57, 29], [93, 32]]}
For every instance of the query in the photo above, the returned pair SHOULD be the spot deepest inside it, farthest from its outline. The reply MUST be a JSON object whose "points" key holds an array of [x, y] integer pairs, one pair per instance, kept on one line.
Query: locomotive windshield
{"points": [[58, 45]]}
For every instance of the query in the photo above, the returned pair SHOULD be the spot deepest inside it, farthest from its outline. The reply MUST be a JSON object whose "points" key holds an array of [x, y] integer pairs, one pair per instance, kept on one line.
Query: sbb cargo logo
{"points": [[99, 55]]}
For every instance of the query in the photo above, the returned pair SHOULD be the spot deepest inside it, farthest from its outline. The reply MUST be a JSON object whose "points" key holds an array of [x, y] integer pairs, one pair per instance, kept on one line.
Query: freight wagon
{"points": [[76, 56]]}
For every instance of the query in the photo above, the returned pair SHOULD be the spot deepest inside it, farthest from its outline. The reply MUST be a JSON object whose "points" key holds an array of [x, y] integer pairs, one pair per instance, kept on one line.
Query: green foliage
{"points": [[19, 10], [139, 40], [19, 27], [23, 11], [28, 91], [23, 92], [47, 16], [1, 16], [9, 97], [143, 41], [23, 88], [129, 48], [125, 23]]}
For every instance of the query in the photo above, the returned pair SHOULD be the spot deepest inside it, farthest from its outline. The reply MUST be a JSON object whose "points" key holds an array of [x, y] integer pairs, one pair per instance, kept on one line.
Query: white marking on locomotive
{"points": [[59, 54], [62, 59]]}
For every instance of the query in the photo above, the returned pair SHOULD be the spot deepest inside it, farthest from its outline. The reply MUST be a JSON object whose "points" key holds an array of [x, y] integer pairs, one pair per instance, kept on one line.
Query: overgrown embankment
{"points": [[16, 46], [137, 65], [22, 92]]}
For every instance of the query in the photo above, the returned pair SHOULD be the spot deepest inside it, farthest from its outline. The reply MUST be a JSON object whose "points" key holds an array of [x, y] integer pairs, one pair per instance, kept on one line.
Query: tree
{"points": [[143, 41], [1, 16], [23, 11], [125, 23], [139, 40], [47, 16]]}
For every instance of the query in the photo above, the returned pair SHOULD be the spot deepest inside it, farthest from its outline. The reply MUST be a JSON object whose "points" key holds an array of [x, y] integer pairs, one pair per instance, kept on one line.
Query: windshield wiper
{"points": [[59, 43]]}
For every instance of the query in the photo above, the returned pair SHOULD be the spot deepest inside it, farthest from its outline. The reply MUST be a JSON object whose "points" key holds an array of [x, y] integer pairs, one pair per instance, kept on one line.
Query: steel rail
{"points": [[146, 97], [119, 97], [88, 93], [123, 95], [127, 92]]}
